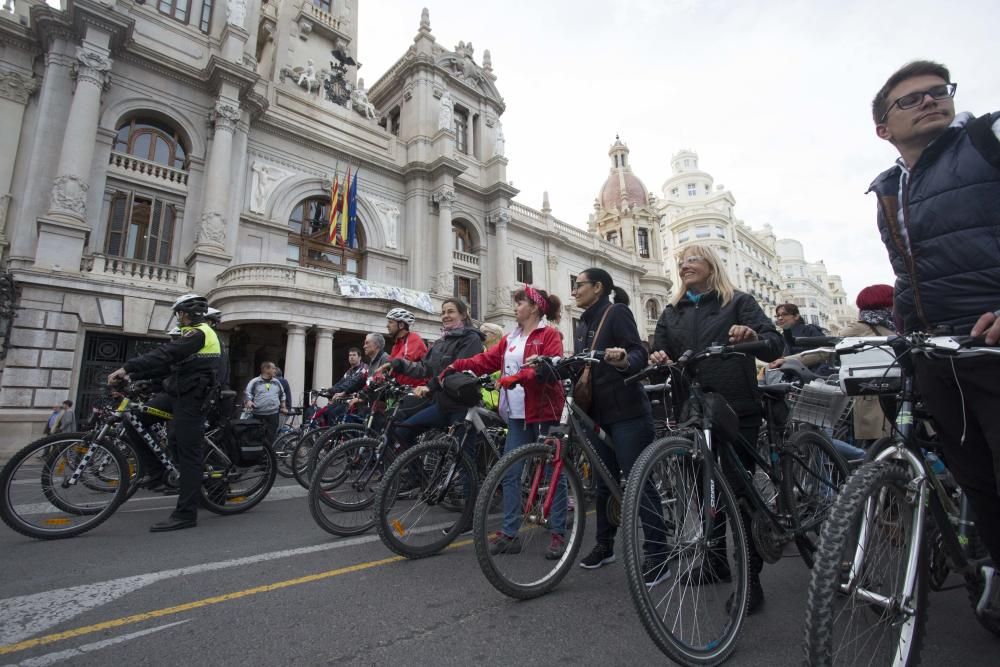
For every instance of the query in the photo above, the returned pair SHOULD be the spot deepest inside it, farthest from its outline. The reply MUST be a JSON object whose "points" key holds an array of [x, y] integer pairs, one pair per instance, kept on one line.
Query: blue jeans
{"points": [[849, 452], [518, 434]]}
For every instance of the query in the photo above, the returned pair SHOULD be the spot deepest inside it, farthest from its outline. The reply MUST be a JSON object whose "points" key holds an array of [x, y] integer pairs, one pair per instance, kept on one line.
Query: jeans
{"points": [[630, 436], [518, 434]]}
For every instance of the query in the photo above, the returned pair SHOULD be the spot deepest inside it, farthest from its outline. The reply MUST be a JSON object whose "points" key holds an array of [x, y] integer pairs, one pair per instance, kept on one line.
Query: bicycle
{"points": [[868, 592], [420, 522], [66, 484], [684, 482], [547, 477]]}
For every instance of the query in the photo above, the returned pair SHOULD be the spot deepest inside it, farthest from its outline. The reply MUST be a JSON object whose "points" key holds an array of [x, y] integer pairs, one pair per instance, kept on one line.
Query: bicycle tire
{"points": [[533, 577], [300, 455], [283, 447], [331, 438], [666, 482], [396, 518], [42, 463], [337, 501], [231, 489], [812, 474], [874, 491]]}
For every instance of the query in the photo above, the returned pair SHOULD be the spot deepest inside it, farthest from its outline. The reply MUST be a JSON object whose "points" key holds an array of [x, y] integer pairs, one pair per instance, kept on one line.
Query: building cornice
{"points": [[87, 13], [50, 25], [18, 36]]}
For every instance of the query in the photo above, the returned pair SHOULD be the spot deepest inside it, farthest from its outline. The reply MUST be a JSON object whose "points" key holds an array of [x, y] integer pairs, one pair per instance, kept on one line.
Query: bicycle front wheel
{"points": [[300, 458], [342, 491], [426, 499], [62, 485], [283, 448], [868, 592], [227, 488], [524, 548], [690, 589], [812, 474]]}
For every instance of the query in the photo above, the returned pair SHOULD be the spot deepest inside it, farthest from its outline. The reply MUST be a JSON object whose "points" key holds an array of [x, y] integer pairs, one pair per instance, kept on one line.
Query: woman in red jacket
{"points": [[529, 405]]}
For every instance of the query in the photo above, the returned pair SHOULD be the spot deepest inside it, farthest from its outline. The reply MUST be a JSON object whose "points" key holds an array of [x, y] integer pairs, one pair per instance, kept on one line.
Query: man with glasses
{"points": [[939, 217]]}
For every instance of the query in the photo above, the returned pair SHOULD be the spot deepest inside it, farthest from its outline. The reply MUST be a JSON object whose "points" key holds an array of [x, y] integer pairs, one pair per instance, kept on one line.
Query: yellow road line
{"points": [[197, 604]]}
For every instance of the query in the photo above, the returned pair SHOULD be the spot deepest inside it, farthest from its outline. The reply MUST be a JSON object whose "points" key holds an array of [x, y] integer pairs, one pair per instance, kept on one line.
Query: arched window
{"points": [[309, 240], [463, 239], [151, 140], [652, 310]]}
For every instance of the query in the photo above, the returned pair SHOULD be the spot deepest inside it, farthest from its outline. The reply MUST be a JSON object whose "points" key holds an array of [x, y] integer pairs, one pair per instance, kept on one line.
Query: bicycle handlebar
{"points": [[689, 356]]}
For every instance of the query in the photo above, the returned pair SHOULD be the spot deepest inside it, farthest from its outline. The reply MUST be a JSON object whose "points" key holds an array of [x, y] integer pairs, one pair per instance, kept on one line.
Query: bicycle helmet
{"points": [[401, 315], [192, 304], [213, 315]]}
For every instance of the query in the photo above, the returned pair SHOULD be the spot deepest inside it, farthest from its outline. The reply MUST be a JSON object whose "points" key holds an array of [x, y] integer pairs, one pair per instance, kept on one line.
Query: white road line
{"points": [[59, 656], [27, 615]]}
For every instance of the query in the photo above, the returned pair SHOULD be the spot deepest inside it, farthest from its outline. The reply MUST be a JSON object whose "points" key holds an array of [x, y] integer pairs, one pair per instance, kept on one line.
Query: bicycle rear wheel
{"points": [[283, 448], [62, 485], [227, 488], [527, 553], [422, 521], [329, 440], [866, 605], [693, 617], [300, 455], [342, 491], [812, 474]]}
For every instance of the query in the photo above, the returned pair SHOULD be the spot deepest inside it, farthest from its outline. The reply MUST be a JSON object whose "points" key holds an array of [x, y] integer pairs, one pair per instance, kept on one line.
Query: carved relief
{"points": [[236, 12], [265, 181], [444, 197], [390, 222], [69, 193], [446, 112], [500, 143], [444, 282], [92, 67], [359, 100], [17, 87], [225, 115], [212, 230]]}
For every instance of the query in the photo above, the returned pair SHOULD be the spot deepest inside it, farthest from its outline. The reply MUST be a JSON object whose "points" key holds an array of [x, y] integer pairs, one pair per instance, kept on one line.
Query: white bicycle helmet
{"points": [[401, 315], [213, 315], [193, 304]]}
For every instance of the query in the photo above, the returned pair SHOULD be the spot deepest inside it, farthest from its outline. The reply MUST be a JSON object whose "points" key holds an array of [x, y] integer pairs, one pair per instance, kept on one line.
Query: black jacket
{"points": [[177, 361], [352, 380], [613, 400], [695, 326], [799, 330], [948, 273], [454, 344]]}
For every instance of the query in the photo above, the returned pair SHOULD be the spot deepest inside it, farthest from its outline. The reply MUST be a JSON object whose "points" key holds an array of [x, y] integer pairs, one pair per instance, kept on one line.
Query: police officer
{"points": [[214, 317], [189, 364]]}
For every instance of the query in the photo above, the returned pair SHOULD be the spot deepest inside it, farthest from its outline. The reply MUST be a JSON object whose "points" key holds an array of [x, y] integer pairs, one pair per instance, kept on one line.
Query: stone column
{"points": [[295, 361], [15, 89], [209, 256], [505, 260], [323, 358], [444, 281], [63, 231]]}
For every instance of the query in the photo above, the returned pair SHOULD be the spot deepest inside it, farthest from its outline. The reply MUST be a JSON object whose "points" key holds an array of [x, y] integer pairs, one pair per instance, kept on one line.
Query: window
{"points": [[524, 271], [322, 4], [140, 227], [612, 237], [463, 240], [309, 240], [642, 240], [149, 140], [702, 231], [205, 24], [652, 310], [467, 289], [692, 189], [720, 232], [177, 9], [675, 192], [708, 188], [687, 163], [394, 122], [572, 282], [683, 235], [462, 131]]}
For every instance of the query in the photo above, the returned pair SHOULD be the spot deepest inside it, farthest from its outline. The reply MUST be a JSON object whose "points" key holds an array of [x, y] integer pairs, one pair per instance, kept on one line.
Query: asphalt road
{"points": [[270, 588]]}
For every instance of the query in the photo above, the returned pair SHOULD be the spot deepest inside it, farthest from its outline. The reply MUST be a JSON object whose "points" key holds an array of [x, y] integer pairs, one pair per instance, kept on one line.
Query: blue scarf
{"points": [[694, 298]]}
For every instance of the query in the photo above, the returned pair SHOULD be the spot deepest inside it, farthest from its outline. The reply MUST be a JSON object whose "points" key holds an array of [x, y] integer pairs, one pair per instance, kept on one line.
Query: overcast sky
{"points": [[774, 96]]}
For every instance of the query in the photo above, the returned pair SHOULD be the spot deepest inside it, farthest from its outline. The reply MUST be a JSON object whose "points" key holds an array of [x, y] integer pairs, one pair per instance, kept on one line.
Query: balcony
{"points": [[312, 18], [137, 170], [465, 258], [135, 271]]}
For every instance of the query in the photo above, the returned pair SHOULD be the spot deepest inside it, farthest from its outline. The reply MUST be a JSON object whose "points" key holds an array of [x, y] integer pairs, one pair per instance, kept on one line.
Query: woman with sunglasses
{"points": [[707, 309]]}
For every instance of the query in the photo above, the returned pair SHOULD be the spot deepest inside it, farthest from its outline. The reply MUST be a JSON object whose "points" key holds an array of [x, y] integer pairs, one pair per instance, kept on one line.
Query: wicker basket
{"points": [[820, 404]]}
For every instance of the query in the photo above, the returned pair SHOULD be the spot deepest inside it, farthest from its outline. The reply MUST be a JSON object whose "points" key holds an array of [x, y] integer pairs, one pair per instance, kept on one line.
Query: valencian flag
{"points": [[342, 222], [352, 213], [334, 193]]}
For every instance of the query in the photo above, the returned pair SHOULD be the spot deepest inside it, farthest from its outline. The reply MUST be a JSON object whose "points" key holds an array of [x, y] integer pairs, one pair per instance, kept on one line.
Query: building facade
{"points": [[154, 149], [819, 295]]}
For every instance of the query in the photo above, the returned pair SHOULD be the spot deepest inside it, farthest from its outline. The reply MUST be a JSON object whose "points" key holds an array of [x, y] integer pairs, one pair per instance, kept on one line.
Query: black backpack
{"points": [[246, 441], [460, 391]]}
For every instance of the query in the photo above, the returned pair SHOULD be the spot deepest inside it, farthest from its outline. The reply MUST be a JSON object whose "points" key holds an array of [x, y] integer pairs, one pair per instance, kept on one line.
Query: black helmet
{"points": [[192, 304]]}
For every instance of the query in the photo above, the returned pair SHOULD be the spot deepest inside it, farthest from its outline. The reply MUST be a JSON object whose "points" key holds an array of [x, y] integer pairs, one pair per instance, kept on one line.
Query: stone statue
{"points": [[308, 76], [236, 12], [390, 220], [447, 111], [500, 145], [425, 20], [359, 100], [265, 180]]}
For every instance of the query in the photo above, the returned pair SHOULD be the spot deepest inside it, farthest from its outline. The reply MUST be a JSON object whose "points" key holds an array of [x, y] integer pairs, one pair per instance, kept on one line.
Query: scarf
{"points": [[878, 317]]}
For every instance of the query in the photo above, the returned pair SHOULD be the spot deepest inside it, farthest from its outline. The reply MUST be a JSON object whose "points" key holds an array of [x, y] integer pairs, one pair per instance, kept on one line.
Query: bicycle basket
{"points": [[820, 404]]}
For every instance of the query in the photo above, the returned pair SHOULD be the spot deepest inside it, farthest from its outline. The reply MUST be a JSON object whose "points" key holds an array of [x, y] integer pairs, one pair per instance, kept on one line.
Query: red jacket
{"points": [[410, 347], [543, 401]]}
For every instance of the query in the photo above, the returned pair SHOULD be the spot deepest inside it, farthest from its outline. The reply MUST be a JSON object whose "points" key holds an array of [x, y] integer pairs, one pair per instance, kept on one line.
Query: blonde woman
{"points": [[708, 309]]}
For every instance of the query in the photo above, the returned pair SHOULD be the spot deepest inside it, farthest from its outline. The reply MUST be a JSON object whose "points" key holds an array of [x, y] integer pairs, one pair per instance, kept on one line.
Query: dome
{"points": [[620, 181]]}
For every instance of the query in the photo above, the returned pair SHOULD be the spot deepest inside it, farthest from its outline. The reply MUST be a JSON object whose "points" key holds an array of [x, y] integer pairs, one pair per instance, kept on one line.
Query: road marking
{"points": [[177, 609], [59, 656], [28, 615]]}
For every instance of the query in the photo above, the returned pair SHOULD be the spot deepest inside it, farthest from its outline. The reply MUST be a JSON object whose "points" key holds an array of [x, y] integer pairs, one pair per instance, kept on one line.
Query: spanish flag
{"points": [[342, 225], [334, 192]]}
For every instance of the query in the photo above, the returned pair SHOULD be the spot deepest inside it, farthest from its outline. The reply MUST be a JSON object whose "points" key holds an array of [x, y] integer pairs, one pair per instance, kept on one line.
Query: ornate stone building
{"points": [[819, 295], [152, 149]]}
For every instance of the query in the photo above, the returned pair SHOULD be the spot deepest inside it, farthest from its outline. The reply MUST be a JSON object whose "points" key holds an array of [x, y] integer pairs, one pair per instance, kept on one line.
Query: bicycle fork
{"points": [[542, 518]]}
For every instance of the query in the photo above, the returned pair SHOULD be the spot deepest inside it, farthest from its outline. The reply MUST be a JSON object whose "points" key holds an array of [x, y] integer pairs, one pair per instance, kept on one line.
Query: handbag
{"points": [[583, 390]]}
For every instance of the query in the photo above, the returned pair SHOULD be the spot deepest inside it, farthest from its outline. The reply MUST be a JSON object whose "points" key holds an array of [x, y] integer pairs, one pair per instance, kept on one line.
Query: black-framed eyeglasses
{"points": [[910, 100], [581, 282]]}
